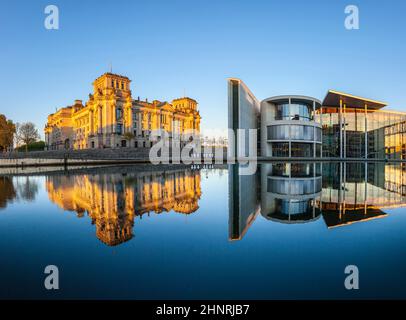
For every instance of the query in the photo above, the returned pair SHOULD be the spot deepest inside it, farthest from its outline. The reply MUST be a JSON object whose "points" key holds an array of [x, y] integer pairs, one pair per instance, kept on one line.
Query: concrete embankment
{"points": [[83, 157]]}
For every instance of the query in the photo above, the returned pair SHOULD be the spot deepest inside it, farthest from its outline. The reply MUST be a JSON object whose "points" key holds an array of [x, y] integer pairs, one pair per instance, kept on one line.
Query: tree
{"points": [[7, 131], [27, 133], [128, 136], [26, 188]]}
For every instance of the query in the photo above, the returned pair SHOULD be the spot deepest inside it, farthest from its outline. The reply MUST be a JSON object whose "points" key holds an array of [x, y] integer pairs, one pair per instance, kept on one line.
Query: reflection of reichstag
{"points": [[114, 200], [343, 193]]}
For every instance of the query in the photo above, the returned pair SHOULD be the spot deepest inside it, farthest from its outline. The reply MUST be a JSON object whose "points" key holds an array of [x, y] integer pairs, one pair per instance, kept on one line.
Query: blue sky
{"points": [[171, 47]]}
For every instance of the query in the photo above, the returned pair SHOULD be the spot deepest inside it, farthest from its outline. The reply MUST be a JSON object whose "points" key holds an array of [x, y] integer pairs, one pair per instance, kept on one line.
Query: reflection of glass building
{"points": [[289, 191], [113, 200], [351, 126], [298, 192], [355, 192]]}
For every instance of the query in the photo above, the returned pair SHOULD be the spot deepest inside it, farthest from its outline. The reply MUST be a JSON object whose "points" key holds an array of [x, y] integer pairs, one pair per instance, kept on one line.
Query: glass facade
{"points": [[294, 132], [375, 134], [294, 186], [297, 110], [280, 149], [296, 170], [289, 127], [302, 150]]}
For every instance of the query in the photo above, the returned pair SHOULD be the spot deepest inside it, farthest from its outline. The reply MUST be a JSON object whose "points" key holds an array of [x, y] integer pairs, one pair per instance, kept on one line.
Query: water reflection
{"points": [[17, 188], [289, 193], [7, 191], [114, 199], [27, 188], [342, 193]]}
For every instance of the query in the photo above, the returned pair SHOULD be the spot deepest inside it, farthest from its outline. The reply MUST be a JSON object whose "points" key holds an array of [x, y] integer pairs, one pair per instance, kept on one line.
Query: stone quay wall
{"points": [[83, 157]]}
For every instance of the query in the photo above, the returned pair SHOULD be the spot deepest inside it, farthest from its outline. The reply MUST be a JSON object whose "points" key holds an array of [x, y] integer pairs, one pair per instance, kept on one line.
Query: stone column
{"points": [[130, 120], [100, 124], [91, 131], [113, 118], [113, 126]]}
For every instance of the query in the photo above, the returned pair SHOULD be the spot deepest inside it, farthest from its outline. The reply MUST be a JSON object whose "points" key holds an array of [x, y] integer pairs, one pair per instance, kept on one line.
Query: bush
{"points": [[35, 146]]}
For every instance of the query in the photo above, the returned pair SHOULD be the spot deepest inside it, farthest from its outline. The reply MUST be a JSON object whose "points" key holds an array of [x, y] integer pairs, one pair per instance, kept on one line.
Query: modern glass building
{"points": [[288, 127], [355, 127], [342, 126]]}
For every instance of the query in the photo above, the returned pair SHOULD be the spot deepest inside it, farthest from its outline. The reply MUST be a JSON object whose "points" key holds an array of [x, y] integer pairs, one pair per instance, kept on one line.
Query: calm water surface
{"points": [[147, 232]]}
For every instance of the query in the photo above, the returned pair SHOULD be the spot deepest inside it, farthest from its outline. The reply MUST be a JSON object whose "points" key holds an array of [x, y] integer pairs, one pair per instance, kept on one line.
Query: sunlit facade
{"points": [[112, 118], [113, 201], [342, 126], [367, 131]]}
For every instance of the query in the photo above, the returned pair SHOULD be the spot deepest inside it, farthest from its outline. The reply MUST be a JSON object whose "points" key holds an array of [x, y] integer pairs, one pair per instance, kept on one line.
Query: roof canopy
{"points": [[333, 98]]}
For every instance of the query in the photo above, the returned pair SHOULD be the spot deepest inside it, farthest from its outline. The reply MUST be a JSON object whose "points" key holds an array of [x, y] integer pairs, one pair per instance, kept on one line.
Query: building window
{"points": [[280, 149], [293, 132], [301, 132], [301, 111], [294, 111], [282, 111], [302, 150], [279, 132], [119, 114], [119, 128]]}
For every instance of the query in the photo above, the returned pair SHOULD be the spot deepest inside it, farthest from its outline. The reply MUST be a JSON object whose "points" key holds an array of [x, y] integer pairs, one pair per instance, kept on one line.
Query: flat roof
{"points": [[294, 97], [240, 82], [333, 98]]}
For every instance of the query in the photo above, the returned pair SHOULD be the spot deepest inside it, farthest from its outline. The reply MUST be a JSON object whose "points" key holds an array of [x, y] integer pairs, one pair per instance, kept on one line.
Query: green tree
{"points": [[128, 136], [7, 131]]}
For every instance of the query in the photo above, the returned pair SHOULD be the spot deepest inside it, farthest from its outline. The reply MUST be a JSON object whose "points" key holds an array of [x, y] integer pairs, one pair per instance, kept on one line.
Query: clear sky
{"points": [[170, 47]]}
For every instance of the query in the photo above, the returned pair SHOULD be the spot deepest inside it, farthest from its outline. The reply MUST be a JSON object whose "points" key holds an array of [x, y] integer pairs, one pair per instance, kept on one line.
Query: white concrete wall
{"points": [[267, 117], [248, 115]]}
